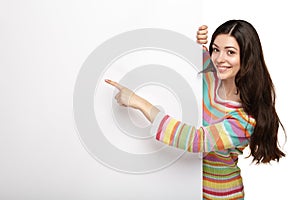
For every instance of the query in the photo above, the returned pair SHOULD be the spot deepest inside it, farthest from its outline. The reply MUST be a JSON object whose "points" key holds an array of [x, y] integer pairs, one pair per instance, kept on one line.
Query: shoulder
{"points": [[240, 117], [241, 114]]}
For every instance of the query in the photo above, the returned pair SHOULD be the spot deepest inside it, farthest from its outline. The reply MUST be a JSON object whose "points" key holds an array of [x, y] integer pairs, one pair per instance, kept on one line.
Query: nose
{"points": [[220, 57]]}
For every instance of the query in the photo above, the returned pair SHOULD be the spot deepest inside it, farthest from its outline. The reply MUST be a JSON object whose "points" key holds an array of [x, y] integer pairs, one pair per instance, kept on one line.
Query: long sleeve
{"points": [[233, 130]]}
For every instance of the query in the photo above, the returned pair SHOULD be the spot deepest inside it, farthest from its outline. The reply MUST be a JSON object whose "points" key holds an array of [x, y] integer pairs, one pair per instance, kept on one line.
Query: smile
{"points": [[223, 68]]}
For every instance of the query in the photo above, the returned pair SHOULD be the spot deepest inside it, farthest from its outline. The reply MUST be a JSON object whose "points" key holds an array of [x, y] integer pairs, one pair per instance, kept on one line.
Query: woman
{"points": [[238, 109]]}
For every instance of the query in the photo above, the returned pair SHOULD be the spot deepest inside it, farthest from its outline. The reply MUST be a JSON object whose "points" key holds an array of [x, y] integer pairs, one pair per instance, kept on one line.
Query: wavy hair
{"points": [[256, 90]]}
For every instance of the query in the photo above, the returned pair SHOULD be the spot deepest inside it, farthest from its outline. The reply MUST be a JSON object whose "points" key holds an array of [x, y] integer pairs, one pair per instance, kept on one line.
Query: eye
{"points": [[230, 52], [214, 49]]}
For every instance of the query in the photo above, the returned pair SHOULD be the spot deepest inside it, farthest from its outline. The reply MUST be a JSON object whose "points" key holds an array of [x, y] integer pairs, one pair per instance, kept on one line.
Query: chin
{"points": [[222, 76], [225, 76]]}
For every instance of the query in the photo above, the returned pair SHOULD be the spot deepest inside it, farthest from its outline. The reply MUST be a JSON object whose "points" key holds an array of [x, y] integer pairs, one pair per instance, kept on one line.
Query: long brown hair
{"points": [[256, 90]]}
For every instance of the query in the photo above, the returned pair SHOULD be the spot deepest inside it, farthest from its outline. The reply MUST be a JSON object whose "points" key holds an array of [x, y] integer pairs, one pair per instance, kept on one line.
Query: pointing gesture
{"points": [[126, 97]]}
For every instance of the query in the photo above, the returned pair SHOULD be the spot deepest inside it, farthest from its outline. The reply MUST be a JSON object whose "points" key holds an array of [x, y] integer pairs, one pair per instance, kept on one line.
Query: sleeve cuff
{"points": [[155, 125]]}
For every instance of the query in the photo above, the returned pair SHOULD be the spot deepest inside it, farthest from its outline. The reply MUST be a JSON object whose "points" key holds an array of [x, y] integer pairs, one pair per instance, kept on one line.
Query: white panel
{"points": [[44, 47]]}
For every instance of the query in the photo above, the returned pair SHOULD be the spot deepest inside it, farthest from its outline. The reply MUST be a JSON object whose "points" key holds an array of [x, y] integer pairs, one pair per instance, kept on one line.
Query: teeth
{"points": [[222, 69]]}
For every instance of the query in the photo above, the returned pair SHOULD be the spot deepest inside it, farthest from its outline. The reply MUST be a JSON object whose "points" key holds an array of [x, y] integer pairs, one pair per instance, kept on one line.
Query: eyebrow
{"points": [[227, 47]]}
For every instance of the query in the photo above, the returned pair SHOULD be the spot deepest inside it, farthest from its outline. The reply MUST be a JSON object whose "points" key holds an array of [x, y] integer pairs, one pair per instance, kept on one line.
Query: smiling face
{"points": [[226, 57]]}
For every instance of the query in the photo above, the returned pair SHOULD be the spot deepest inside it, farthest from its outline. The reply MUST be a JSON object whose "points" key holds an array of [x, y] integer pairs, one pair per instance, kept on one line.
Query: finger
{"points": [[203, 27], [117, 96], [202, 32], [121, 104], [113, 83], [202, 41], [202, 37]]}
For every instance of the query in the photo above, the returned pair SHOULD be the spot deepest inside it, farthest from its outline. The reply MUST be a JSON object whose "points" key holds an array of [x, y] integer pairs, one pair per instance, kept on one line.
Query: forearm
{"points": [[233, 131], [149, 111], [180, 135]]}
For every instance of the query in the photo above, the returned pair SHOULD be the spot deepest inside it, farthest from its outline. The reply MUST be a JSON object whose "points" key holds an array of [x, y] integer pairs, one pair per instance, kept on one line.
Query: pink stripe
{"points": [[216, 159], [225, 192], [159, 131], [196, 141], [240, 134], [164, 125]]}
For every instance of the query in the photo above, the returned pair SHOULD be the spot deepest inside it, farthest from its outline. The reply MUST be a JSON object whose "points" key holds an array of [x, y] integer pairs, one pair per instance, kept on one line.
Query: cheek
{"points": [[236, 63], [213, 59]]}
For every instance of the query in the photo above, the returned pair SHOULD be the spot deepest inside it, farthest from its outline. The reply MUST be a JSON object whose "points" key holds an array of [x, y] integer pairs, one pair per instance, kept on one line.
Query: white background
{"points": [[43, 45]]}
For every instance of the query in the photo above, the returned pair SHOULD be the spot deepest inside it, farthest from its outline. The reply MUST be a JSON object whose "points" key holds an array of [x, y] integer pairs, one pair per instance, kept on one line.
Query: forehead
{"points": [[225, 41]]}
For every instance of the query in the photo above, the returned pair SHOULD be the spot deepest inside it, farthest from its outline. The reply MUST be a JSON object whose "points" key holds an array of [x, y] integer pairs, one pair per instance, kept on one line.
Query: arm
{"points": [[126, 97], [233, 131]]}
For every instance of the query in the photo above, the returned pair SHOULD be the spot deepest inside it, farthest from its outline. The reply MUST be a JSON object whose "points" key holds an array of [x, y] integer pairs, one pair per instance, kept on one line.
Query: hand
{"points": [[202, 35], [126, 97]]}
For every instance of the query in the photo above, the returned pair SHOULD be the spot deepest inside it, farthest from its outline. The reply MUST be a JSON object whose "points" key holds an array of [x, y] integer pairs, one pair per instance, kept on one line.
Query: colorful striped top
{"points": [[225, 133]]}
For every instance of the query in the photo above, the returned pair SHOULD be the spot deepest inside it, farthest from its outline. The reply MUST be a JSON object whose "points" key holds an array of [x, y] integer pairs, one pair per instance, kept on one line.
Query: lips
{"points": [[223, 69]]}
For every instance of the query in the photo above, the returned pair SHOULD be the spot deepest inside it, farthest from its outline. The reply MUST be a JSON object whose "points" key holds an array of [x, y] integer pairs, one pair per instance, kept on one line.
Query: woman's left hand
{"points": [[125, 97]]}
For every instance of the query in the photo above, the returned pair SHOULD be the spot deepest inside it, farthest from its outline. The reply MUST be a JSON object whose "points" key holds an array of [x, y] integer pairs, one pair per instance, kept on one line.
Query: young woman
{"points": [[238, 110]]}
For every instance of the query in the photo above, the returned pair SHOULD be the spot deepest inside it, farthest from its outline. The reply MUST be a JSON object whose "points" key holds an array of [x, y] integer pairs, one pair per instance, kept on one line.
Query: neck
{"points": [[228, 91]]}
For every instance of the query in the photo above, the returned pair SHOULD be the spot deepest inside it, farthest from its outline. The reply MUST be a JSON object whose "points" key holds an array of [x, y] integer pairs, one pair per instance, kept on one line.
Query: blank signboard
{"points": [[62, 134], [161, 66]]}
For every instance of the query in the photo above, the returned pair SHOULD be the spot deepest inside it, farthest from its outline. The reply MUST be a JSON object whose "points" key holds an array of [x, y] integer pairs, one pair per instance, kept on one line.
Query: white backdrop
{"points": [[43, 47], [44, 44]]}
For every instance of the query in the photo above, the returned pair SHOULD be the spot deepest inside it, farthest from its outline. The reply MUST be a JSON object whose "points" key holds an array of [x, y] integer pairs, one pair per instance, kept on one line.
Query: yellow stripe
{"points": [[191, 140], [168, 131], [221, 186], [224, 136]]}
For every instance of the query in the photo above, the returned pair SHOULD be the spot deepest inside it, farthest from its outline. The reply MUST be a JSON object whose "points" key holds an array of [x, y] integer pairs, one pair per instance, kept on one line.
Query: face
{"points": [[226, 56]]}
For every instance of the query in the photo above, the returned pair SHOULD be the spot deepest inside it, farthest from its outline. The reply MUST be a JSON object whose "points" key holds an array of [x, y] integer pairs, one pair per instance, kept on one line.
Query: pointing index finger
{"points": [[113, 83]]}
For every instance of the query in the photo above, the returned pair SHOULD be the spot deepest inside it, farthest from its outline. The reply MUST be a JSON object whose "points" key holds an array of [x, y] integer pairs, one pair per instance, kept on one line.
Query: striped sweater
{"points": [[225, 133]]}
